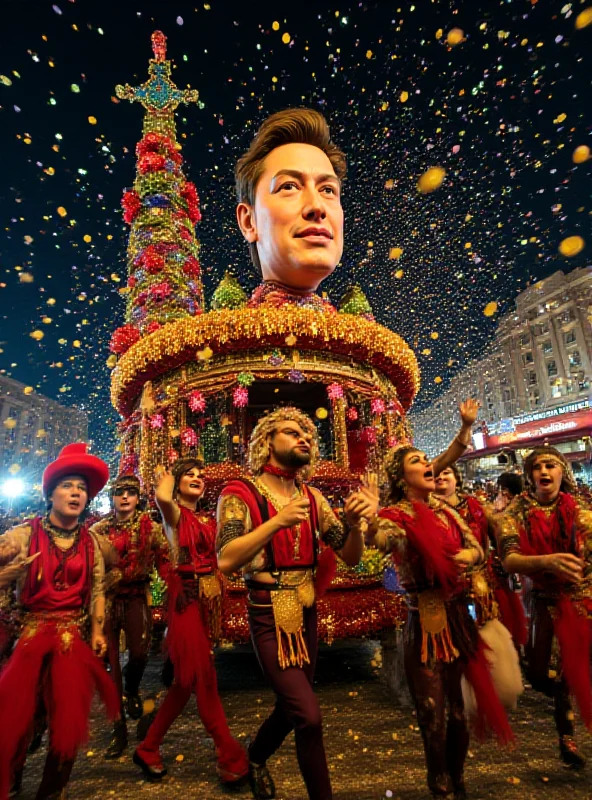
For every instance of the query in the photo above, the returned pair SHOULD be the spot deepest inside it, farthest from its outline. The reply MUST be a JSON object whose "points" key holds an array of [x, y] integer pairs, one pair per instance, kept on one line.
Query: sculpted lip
{"points": [[314, 232]]}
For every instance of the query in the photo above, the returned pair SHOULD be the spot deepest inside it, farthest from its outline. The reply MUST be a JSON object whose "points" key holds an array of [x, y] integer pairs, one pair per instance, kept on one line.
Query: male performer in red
{"points": [[140, 544], [58, 569], [271, 528]]}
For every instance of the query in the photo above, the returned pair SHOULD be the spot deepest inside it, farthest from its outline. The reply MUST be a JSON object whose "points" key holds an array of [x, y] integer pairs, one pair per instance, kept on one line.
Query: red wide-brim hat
{"points": [[75, 460]]}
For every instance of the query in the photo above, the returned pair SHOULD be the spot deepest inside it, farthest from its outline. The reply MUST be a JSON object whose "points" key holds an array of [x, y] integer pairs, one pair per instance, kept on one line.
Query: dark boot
{"points": [[260, 780], [155, 771], [118, 741], [569, 753]]}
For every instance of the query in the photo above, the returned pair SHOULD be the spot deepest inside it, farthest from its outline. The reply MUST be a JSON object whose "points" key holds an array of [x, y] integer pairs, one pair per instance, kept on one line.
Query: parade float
{"points": [[192, 380]]}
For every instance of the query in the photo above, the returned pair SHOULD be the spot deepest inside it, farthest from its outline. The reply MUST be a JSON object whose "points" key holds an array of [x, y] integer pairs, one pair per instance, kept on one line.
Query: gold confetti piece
{"points": [[51, 301], [87, 238], [434, 335], [90, 753], [322, 413], [431, 180], [581, 154], [205, 354], [399, 273], [286, 38], [62, 211], [438, 379], [439, 33], [426, 352], [92, 120], [404, 96], [490, 309], [180, 758], [291, 340], [513, 781], [571, 246], [584, 19], [275, 26], [28, 390], [369, 54], [395, 252], [37, 335], [76, 343], [560, 118], [455, 36], [26, 277]]}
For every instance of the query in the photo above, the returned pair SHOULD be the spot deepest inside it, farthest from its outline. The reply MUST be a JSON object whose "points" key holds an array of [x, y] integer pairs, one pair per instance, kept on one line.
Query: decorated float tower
{"points": [[195, 381]]}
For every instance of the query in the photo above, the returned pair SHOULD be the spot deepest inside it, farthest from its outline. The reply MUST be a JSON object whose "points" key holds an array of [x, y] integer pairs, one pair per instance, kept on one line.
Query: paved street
{"points": [[374, 749]]}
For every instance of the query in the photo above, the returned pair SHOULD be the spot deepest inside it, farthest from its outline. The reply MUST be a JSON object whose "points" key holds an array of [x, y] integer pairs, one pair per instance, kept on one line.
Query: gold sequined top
{"points": [[515, 521]]}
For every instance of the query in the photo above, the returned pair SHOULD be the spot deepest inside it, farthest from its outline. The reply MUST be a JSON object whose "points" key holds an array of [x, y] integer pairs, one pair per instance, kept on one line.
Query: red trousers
{"points": [[192, 643]]}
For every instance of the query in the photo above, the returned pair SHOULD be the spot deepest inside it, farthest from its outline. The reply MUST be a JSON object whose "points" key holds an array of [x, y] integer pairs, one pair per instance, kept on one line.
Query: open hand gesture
{"points": [[468, 411]]}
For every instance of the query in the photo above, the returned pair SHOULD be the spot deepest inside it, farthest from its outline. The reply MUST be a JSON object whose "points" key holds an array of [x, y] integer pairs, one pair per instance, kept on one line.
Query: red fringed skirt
{"points": [[50, 658]]}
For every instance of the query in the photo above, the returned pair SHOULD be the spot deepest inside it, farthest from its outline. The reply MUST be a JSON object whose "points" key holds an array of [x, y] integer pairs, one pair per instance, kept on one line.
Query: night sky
{"points": [[501, 112]]}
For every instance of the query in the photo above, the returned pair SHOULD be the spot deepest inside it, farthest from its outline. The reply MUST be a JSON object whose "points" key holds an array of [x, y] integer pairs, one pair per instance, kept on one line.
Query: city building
{"points": [[33, 429], [533, 382]]}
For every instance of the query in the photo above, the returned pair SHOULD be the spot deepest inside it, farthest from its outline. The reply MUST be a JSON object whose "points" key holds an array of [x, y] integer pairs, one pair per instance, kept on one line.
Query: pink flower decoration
{"points": [[393, 441], [197, 402], [159, 292], [240, 397], [172, 456], [352, 414], [189, 437], [377, 405], [156, 421], [335, 391]]}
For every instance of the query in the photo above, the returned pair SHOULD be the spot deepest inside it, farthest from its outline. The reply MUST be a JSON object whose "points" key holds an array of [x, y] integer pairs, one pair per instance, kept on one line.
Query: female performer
{"points": [[58, 570], [193, 623], [489, 583], [432, 548], [546, 533]]}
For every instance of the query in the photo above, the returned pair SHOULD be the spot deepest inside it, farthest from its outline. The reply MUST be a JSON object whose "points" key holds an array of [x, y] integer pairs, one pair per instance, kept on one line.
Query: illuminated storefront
{"points": [[505, 444]]}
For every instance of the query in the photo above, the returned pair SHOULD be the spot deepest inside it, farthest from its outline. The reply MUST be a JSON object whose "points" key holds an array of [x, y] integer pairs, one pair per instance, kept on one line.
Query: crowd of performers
{"points": [[79, 589], [70, 594]]}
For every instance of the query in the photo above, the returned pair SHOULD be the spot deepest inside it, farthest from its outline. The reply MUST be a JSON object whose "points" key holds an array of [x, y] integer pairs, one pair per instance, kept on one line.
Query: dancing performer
{"points": [[433, 548], [193, 623], [270, 528], [140, 545], [489, 582], [546, 533], [58, 569]]}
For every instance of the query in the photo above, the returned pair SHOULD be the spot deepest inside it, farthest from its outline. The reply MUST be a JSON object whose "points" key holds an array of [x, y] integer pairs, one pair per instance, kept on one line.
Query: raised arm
{"points": [[468, 414], [163, 494]]}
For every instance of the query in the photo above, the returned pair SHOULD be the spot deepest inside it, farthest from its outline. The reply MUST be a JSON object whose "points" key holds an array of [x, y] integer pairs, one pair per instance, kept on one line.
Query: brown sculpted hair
{"points": [[291, 126]]}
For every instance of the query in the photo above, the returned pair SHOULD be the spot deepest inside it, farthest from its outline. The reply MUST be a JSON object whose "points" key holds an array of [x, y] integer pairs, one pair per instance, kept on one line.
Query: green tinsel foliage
{"points": [[354, 301], [229, 294]]}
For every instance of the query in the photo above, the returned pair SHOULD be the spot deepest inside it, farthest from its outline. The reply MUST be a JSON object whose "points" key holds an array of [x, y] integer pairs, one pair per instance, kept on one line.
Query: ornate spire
{"points": [[162, 209], [159, 95]]}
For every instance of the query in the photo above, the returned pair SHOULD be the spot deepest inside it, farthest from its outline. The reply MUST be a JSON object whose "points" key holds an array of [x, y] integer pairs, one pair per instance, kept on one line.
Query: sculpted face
{"points": [[297, 219]]}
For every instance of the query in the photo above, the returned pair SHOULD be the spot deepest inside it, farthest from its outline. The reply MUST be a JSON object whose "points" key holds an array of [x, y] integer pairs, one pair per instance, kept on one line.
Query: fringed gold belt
{"points": [[66, 624], [296, 593], [436, 640]]}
